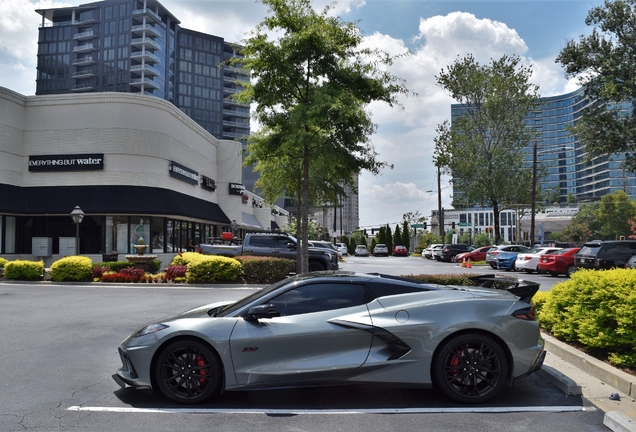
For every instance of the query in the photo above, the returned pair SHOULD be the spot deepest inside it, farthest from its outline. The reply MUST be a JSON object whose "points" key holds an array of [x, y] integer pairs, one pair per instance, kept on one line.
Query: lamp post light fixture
{"points": [[78, 215]]}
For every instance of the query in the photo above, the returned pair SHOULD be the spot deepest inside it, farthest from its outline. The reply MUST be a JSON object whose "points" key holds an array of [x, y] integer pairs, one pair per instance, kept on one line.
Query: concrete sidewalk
{"points": [[576, 373]]}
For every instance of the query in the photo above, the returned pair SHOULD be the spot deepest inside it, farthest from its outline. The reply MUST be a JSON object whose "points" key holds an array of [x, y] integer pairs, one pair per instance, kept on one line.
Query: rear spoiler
{"points": [[523, 289]]}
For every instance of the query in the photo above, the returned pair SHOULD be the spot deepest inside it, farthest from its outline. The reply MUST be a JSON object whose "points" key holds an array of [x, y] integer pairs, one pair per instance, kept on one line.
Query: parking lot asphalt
{"points": [[570, 370]]}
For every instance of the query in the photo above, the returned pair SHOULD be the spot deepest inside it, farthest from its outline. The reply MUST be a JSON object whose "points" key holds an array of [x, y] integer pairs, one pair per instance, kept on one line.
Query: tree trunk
{"points": [[304, 213]]}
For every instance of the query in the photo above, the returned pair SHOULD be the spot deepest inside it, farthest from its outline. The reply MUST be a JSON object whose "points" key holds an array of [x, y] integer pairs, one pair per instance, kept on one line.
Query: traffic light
{"points": [[424, 225], [372, 231], [365, 232], [453, 225]]}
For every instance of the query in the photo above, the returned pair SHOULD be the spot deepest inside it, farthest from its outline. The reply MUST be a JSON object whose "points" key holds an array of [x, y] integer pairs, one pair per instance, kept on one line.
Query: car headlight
{"points": [[152, 328]]}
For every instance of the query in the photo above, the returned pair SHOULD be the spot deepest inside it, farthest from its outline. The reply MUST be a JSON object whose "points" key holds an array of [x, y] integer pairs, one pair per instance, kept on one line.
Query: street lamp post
{"points": [[78, 215], [440, 210], [534, 192]]}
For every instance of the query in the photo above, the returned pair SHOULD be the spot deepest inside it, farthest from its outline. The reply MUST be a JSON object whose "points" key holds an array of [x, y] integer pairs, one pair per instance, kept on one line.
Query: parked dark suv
{"points": [[450, 250], [605, 254]]}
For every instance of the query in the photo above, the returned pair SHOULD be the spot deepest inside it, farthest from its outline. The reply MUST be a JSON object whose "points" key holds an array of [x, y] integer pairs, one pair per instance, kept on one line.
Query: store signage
{"points": [[71, 162], [182, 173], [208, 183], [236, 189]]}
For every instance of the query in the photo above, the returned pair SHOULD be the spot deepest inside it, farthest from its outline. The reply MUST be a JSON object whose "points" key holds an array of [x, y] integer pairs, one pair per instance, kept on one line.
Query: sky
{"points": [[436, 33]]}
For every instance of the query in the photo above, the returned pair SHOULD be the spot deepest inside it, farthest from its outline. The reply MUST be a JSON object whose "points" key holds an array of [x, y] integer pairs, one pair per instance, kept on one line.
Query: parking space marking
{"points": [[482, 410]]}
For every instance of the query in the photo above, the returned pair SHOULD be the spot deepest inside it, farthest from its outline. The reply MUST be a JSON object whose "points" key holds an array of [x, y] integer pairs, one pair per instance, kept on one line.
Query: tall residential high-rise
{"points": [[138, 46], [569, 172]]}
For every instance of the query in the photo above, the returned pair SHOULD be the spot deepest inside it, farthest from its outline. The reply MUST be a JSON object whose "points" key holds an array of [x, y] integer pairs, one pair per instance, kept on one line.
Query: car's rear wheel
{"points": [[470, 368], [316, 266], [188, 372], [569, 271]]}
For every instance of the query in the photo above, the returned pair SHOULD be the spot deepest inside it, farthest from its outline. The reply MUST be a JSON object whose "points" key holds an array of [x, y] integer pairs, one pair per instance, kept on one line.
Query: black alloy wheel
{"points": [[188, 372], [569, 271], [316, 266], [470, 368]]}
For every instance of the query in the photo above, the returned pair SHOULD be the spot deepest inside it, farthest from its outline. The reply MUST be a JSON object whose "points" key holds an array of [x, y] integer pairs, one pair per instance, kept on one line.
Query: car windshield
{"points": [[560, 251], [226, 310]]}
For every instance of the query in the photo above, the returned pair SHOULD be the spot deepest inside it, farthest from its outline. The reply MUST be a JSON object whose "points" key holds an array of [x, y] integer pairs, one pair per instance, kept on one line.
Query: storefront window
{"points": [[140, 228], [117, 234], [157, 234], [9, 240]]}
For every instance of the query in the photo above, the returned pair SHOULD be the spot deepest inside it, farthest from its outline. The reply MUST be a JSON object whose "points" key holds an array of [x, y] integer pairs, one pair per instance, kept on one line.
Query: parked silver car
{"points": [[469, 341], [380, 249]]}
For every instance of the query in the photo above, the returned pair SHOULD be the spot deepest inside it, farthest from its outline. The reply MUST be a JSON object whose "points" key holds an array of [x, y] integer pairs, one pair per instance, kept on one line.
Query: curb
{"points": [[616, 378], [618, 422], [560, 381]]}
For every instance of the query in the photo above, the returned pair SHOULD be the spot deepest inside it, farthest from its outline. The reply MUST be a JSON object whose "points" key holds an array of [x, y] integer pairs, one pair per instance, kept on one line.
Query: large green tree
{"points": [[605, 63], [484, 147], [312, 85], [614, 214]]}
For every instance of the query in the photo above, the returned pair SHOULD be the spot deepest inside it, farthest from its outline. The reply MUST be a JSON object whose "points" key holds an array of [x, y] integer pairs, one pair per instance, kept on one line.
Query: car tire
{"points": [[493, 266], [529, 271], [553, 274], [188, 372], [452, 258], [569, 271], [316, 266], [470, 368]]}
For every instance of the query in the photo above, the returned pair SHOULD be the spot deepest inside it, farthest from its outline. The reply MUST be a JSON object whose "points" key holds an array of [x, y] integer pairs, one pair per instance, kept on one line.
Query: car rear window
{"points": [[589, 250]]}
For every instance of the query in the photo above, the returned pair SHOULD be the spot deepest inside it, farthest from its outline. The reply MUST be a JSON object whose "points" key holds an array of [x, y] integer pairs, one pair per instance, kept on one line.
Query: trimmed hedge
{"points": [[596, 309], [3, 261], [208, 269], [24, 270], [444, 279], [72, 268], [266, 269], [184, 258], [152, 267]]}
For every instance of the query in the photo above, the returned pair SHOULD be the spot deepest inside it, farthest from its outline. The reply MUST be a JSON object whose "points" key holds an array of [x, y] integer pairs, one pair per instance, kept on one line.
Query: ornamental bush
{"points": [[209, 269], [72, 268], [596, 309], [444, 279], [175, 271], [3, 261], [183, 258], [24, 270], [266, 269]]}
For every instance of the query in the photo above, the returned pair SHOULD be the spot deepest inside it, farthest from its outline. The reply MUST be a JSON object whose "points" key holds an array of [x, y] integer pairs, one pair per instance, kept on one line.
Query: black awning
{"points": [[134, 200]]}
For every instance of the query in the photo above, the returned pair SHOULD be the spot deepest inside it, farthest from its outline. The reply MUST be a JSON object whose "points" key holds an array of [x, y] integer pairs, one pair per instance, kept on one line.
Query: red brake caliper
{"points": [[201, 363], [454, 362]]}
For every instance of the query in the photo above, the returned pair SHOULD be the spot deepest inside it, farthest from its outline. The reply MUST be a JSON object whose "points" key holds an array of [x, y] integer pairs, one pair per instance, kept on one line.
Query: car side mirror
{"points": [[262, 311], [291, 245]]}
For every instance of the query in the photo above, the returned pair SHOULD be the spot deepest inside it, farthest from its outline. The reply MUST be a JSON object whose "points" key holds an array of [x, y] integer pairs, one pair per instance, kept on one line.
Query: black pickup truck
{"points": [[274, 245]]}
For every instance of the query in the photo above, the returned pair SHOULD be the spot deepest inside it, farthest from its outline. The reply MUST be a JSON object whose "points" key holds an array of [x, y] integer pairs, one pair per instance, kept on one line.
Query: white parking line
{"points": [[335, 412]]}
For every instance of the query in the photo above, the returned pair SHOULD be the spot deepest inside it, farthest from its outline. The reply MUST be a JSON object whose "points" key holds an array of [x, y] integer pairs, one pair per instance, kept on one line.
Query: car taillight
{"points": [[527, 258], [526, 313], [494, 253], [446, 249]]}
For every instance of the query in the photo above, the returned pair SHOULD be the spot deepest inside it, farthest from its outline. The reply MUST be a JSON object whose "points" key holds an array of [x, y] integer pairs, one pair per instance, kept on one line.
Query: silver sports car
{"points": [[329, 328]]}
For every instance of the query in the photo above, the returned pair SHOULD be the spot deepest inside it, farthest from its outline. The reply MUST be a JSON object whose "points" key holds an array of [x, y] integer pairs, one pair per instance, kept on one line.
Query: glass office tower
{"points": [[137, 46], [568, 170]]}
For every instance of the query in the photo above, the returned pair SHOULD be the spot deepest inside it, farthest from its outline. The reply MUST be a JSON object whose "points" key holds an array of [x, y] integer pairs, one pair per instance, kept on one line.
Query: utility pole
{"points": [[534, 192], [440, 209]]}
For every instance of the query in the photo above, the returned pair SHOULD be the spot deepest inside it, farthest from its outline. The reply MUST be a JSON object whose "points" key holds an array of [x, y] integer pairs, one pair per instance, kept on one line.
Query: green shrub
{"points": [[538, 300], [183, 258], [24, 270], [153, 266], [208, 269], [596, 309], [266, 269], [444, 279], [3, 261], [72, 268]]}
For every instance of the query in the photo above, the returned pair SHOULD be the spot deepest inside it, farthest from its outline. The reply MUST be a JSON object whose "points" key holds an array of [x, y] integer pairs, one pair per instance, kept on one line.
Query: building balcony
{"points": [[83, 61], [145, 43], [85, 73], [238, 124], [86, 21], [233, 135], [84, 48], [231, 102], [146, 69], [235, 79], [147, 28], [82, 87], [231, 90], [234, 113], [84, 35], [145, 55], [147, 12], [146, 82]]}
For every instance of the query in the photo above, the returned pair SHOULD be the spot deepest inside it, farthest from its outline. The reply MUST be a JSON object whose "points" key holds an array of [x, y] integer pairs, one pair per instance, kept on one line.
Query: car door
{"points": [[315, 338]]}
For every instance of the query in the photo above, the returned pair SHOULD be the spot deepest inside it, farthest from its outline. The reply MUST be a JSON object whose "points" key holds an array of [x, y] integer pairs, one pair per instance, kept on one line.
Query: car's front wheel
{"points": [[569, 271], [188, 372], [316, 266], [470, 368]]}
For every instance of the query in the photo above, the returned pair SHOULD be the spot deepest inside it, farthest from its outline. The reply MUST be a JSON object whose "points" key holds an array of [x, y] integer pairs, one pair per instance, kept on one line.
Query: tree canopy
{"points": [[311, 86], [484, 147], [605, 63]]}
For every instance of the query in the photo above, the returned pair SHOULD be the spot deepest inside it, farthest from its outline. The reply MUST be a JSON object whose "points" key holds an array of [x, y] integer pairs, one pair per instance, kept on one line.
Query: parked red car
{"points": [[558, 262], [478, 254], [400, 251]]}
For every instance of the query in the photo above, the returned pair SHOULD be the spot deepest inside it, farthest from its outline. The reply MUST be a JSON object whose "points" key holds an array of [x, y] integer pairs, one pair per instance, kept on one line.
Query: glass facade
{"points": [[567, 168], [137, 46]]}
